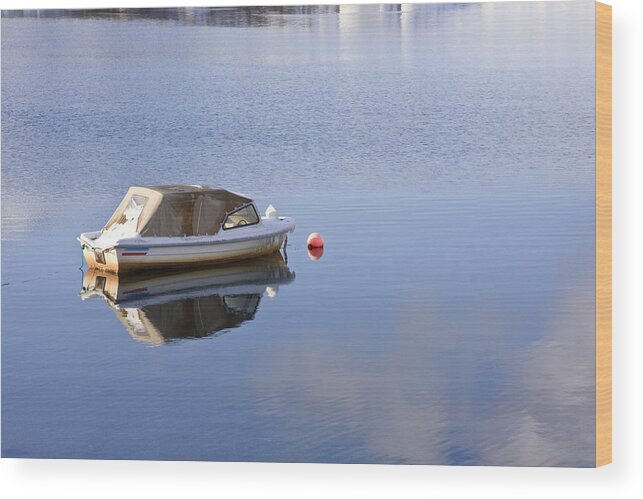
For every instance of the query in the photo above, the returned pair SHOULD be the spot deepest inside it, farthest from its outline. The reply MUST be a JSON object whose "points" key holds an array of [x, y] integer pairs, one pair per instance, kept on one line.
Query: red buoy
{"points": [[315, 241]]}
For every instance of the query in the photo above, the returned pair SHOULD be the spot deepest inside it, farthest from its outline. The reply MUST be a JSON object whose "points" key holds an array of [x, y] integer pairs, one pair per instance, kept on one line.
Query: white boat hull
{"points": [[150, 253]]}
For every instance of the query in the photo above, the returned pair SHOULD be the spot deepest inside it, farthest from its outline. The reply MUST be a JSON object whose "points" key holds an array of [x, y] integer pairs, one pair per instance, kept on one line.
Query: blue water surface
{"points": [[445, 152]]}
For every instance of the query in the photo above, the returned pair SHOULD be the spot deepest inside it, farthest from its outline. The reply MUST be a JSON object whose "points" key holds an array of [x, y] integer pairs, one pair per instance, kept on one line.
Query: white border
{"points": [[624, 478]]}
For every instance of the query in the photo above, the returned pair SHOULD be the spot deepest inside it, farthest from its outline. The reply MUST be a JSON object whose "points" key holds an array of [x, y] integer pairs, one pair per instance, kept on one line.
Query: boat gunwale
{"points": [[192, 240]]}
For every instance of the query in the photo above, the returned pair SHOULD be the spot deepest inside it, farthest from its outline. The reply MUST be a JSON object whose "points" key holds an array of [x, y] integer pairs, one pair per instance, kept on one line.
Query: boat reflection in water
{"points": [[160, 307]]}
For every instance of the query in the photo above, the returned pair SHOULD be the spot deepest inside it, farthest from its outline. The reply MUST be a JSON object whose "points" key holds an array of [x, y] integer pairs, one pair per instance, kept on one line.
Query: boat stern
{"points": [[98, 258]]}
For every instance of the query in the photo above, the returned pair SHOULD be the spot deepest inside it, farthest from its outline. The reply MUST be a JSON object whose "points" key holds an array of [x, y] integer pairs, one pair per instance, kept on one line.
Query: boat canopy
{"points": [[174, 210]]}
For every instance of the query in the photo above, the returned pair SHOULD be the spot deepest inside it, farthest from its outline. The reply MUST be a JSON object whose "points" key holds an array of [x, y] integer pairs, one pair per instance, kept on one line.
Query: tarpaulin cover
{"points": [[176, 210]]}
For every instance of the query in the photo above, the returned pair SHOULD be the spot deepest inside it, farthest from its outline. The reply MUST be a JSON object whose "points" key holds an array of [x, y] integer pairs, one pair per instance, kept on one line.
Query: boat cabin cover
{"points": [[179, 210]]}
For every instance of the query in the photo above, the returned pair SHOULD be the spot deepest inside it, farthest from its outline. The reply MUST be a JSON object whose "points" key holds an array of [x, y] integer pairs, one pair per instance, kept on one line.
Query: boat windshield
{"points": [[241, 217]]}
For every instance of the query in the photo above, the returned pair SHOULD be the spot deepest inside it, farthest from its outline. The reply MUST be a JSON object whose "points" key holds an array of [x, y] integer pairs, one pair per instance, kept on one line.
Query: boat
{"points": [[164, 306], [175, 226]]}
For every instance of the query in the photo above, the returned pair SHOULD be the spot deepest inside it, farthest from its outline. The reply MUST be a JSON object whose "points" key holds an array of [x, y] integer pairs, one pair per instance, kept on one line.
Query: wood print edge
{"points": [[603, 234]]}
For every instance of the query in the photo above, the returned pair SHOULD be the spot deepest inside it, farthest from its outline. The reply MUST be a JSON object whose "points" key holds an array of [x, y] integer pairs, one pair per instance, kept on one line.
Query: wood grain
{"points": [[603, 234]]}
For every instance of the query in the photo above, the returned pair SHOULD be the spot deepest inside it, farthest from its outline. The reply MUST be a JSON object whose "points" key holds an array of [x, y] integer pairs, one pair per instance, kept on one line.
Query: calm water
{"points": [[446, 153]]}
